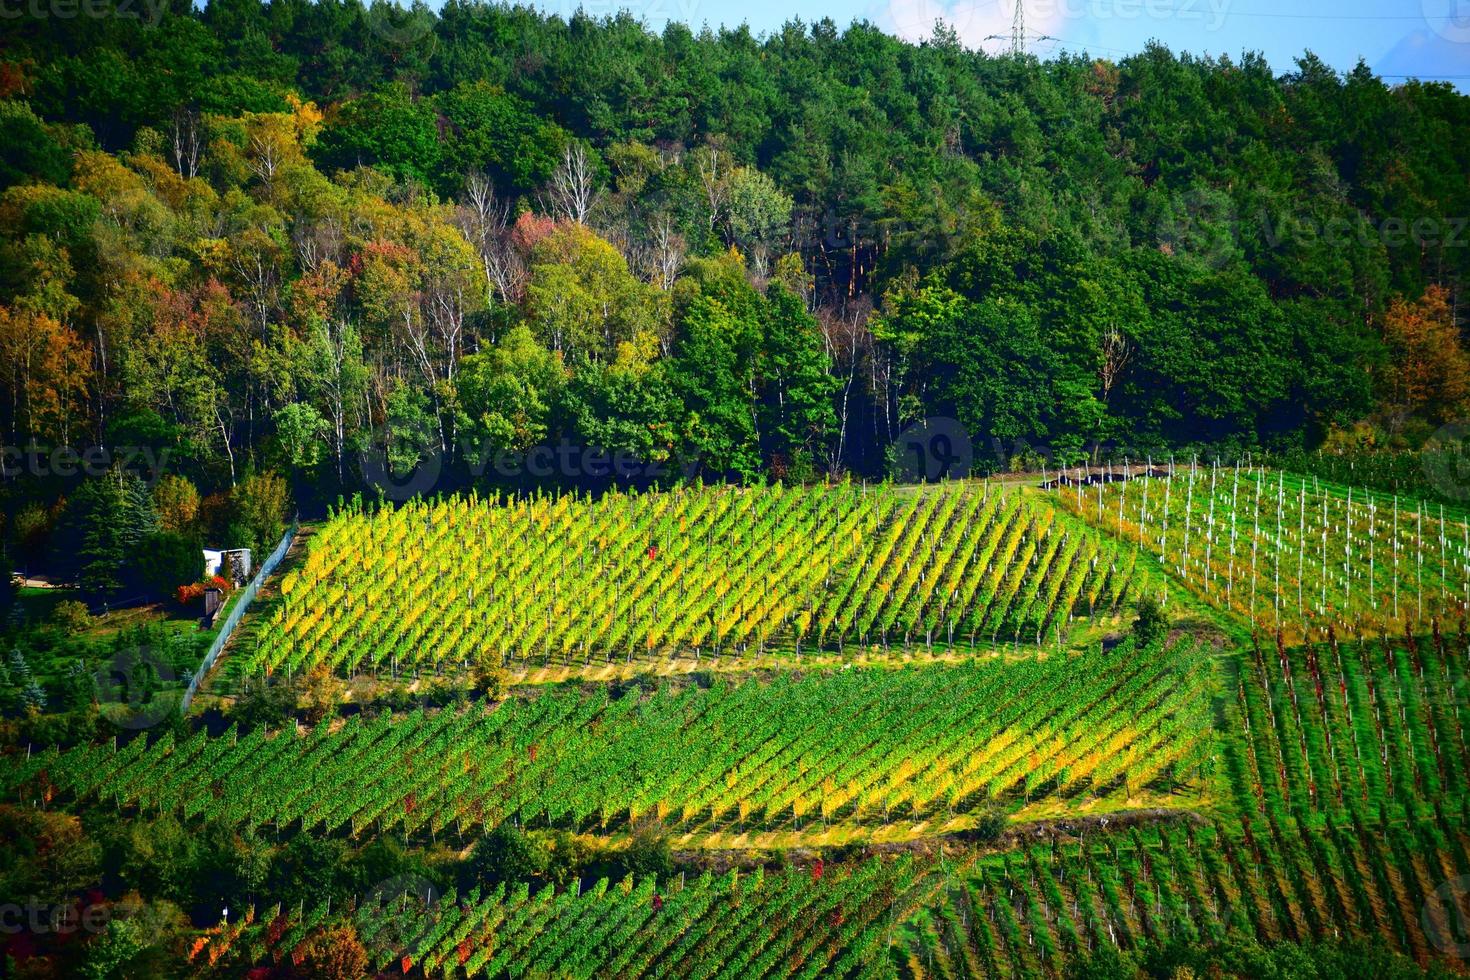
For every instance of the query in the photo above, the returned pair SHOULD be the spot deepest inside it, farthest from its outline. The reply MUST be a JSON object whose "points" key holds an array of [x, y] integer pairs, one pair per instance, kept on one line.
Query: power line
{"points": [[1091, 47], [1086, 46], [1273, 14]]}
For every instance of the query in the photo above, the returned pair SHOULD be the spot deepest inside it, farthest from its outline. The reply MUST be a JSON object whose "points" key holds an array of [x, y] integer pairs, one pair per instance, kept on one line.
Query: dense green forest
{"points": [[298, 237]]}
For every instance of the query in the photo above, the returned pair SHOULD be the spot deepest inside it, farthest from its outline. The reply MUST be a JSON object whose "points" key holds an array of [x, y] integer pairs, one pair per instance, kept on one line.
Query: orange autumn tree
{"points": [[334, 953], [46, 374], [1430, 373]]}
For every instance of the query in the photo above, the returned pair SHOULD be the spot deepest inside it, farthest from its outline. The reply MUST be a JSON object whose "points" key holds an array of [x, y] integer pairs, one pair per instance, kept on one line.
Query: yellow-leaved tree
{"points": [[1430, 373]]}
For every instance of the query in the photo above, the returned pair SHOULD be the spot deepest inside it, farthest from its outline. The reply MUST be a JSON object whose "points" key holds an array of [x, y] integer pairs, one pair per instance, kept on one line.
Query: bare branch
{"points": [[571, 189]]}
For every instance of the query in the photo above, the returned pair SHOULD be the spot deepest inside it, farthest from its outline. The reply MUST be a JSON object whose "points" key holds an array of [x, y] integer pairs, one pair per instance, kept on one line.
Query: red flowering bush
{"points": [[194, 591]]}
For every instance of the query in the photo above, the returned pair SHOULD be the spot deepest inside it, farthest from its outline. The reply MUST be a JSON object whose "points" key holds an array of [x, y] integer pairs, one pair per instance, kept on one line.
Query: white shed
{"points": [[230, 563]]}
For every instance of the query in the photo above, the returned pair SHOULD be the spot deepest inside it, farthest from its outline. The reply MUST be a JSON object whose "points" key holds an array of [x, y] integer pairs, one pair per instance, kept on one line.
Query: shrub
{"points": [[491, 678], [508, 854], [260, 503], [648, 854], [1152, 623], [71, 617], [989, 825], [263, 704]]}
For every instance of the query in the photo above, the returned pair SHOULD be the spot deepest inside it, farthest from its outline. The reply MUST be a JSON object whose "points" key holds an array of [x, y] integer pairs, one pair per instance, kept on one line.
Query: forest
{"points": [[298, 238]]}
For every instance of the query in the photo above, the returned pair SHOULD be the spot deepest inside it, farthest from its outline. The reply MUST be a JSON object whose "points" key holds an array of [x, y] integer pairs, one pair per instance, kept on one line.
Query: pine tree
{"points": [[108, 520], [80, 687], [33, 696]]}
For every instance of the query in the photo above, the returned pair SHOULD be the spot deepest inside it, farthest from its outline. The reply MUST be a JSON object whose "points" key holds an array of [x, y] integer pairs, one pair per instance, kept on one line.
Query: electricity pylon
{"points": [[1018, 37]]}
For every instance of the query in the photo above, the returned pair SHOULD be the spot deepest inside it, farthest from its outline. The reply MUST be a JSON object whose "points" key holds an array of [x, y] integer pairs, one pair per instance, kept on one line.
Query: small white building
{"points": [[229, 563]]}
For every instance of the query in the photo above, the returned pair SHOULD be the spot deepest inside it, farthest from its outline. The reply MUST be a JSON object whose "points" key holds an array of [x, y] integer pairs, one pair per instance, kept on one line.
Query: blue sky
{"points": [[1422, 38]]}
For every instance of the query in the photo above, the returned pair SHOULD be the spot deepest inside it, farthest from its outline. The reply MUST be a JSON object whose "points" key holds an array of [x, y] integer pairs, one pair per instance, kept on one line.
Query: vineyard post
{"points": [[1143, 514], [1122, 497], [1210, 524], [1443, 576], [1276, 558], [1301, 536], [1188, 518], [1372, 550], [1347, 561], [1168, 492], [1322, 606], [1395, 556], [1255, 544], [1419, 562]]}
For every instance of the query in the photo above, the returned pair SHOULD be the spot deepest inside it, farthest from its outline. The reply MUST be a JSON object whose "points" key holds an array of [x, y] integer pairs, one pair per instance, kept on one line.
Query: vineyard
{"points": [[862, 746], [1376, 725], [801, 923], [1026, 912], [1286, 761], [1017, 913], [716, 571], [1290, 553]]}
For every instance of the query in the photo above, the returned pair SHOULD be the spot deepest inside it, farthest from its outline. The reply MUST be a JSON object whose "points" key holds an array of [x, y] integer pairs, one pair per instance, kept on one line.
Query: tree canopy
{"points": [[282, 237]]}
